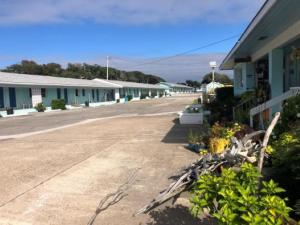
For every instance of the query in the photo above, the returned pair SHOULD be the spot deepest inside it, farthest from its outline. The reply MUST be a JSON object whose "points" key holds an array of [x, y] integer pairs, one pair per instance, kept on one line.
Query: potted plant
{"points": [[40, 107], [9, 111]]}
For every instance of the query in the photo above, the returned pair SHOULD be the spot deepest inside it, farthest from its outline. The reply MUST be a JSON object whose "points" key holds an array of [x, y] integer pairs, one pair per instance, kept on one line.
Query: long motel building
{"points": [[22, 92]]}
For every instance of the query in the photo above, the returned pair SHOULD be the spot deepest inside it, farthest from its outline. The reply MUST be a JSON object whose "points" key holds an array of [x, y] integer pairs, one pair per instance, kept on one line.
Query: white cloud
{"points": [[126, 11]]}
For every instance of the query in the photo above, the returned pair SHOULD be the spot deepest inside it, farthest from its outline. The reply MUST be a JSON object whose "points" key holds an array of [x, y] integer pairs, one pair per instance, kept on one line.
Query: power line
{"points": [[189, 51]]}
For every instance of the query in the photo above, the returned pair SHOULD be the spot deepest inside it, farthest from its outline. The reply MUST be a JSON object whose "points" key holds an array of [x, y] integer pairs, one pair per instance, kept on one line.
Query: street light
{"points": [[213, 66]]}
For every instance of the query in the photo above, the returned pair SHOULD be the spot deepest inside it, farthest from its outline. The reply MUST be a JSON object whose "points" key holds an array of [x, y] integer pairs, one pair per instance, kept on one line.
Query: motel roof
{"points": [[13, 79], [173, 85], [275, 24], [127, 84]]}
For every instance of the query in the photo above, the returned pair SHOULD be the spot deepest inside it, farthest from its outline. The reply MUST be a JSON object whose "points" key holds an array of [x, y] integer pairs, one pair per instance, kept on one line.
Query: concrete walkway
{"points": [[59, 177]]}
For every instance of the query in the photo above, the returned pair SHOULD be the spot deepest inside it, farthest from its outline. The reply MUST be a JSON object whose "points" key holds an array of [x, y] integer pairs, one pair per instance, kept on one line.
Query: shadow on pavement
{"points": [[179, 132], [178, 215]]}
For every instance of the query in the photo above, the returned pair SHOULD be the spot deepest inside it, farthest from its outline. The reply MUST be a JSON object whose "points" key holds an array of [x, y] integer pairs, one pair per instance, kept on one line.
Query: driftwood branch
{"points": [[246, 149], [266, 140]]}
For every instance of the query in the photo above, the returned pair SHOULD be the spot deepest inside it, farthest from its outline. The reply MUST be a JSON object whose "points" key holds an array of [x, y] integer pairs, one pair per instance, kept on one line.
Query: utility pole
{"points": [[213, 66], [107, 58]]}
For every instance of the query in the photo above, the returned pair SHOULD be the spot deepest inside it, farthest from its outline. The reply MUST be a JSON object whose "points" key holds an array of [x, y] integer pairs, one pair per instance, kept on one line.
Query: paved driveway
{"points": [[60, 177]]}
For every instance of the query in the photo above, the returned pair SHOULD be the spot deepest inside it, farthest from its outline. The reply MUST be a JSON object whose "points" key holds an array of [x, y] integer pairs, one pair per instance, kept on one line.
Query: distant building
{"points": [[210, 87], [171, 88]]}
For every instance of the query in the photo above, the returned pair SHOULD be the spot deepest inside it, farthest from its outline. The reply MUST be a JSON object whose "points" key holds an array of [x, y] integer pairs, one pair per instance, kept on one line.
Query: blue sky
{"points": [[131, 32]]}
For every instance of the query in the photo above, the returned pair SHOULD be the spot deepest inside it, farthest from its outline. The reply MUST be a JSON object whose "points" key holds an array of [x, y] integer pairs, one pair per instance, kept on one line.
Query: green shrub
{"points": [[224, 93], [285, 155], [129, 97], [40, 107], [234, 198], [58, 104], [290, 114], [143, 96]]}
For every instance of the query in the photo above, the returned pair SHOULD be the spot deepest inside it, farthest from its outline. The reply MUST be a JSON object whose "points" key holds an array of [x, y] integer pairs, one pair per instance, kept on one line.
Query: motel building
{"points": [[135, 91], [22, 92], [266, 59], [173, 89]]}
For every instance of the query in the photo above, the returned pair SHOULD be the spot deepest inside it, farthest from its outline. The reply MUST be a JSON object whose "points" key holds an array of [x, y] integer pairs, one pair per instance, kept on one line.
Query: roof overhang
{"points": [[276, 24]]}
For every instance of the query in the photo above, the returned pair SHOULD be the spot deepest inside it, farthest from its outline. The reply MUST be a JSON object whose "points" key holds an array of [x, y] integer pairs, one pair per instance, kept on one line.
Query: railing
{"points": [[273, 102], [243, 106]]}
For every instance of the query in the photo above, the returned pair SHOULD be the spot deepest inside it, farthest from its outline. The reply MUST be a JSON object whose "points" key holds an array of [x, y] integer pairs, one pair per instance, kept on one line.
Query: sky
{"points": [[144, 35]]}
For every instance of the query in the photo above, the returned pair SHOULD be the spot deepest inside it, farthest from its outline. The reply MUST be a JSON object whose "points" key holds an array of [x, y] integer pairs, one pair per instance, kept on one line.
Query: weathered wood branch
{"points": [[266, 140], [243, 150]]}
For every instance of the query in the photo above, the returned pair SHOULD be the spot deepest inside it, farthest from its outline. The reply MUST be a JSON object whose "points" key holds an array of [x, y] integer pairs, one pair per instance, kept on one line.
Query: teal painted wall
{"points": [[276, 75], [23, 98]]}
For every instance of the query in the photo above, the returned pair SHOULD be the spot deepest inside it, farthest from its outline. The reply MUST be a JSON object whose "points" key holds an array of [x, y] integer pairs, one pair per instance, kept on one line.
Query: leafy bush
{"points": [[40, 107], [143, 96], [224, 94], [58, 104], [285, 153], [290, 114], [234, 198], [129, 97]]}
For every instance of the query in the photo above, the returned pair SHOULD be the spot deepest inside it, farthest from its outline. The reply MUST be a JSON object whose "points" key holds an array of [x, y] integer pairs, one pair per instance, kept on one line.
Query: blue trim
{"points": [[1, 98], [58, 90], [12, 97], [66, 95]]}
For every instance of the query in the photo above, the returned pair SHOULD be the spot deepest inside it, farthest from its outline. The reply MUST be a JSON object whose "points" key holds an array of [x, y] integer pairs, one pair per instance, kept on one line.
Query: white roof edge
{"points": [[257, 18], [107, 81]]}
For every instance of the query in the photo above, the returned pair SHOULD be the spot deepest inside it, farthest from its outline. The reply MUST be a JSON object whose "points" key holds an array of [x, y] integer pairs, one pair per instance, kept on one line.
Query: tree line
{"points": [[81, 71]]}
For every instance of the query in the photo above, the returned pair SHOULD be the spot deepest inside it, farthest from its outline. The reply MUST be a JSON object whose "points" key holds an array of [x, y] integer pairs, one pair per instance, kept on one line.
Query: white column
{"points": [[140, 93], [149, 94], [157, 93], [117, 94], [36, 96]]}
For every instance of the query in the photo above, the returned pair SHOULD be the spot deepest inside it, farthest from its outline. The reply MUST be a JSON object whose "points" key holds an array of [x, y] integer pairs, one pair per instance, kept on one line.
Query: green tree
{"points": [[81, 71], [221, 78]]}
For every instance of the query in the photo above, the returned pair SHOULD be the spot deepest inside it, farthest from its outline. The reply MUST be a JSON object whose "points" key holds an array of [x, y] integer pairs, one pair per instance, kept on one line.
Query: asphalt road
{"points": [[42, 121]]}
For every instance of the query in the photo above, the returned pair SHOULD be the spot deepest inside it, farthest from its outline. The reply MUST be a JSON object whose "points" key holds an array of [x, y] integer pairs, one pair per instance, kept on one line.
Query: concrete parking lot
{"points": [[59, 177]]}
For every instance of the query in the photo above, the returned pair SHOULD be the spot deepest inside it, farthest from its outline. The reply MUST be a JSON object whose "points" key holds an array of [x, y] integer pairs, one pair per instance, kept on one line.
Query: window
{"points": [[76, 92], [238, 78], [58, 93], [43, 90], [30, 93], [83, 92]]}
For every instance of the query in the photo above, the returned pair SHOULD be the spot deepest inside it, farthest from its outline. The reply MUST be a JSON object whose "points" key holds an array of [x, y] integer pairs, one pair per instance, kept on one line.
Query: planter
{"points": [[191, 118], [9, 111]]}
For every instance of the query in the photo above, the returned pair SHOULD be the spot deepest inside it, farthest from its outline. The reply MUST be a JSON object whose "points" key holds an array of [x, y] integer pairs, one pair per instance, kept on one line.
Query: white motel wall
{"points": [[21, 92]]}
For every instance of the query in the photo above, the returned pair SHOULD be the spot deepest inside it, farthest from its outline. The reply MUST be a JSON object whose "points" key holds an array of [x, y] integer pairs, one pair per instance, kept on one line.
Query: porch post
{"points": [[36, 96], [276, 72]]}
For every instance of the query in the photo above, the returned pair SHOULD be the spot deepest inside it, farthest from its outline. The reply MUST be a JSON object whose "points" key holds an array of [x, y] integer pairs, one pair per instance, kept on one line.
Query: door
{"points": [[66, 95], [58, 93], [12, 97], [1, 98]]}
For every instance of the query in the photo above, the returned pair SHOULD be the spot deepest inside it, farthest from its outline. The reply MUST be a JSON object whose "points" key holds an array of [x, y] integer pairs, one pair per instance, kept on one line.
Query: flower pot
{"points": [[9, 111]]}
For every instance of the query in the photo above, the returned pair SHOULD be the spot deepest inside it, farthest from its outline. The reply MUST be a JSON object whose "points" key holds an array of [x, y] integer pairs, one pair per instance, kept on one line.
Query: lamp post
{"points": [[213, 65]]}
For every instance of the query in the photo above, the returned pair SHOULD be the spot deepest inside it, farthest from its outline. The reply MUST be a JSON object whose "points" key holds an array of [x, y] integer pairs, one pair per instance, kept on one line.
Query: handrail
{"points": [[273, 102]]}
